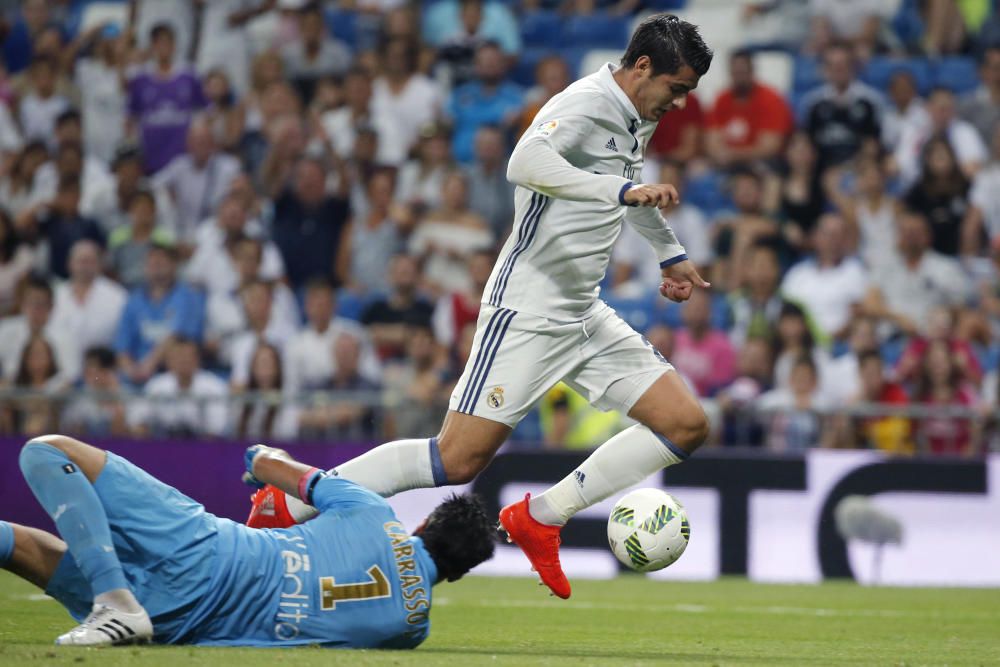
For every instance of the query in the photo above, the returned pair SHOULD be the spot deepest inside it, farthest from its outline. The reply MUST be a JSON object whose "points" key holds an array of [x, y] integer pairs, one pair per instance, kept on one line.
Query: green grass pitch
{"points": [[628, 621]]}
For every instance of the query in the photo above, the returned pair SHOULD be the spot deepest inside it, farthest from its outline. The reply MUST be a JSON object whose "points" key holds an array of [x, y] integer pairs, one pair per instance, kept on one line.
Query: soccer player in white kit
{"points": [[542, 320]]}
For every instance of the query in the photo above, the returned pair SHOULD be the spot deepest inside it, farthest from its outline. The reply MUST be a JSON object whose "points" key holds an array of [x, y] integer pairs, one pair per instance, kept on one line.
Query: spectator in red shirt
{"points": [[940, 327], [678, 136], [940, 384], [750, 121], [702, 353]]}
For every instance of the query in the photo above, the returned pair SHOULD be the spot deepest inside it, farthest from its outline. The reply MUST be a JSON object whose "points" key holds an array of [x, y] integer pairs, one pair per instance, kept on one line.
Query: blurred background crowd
{"points": [[273, 219]]}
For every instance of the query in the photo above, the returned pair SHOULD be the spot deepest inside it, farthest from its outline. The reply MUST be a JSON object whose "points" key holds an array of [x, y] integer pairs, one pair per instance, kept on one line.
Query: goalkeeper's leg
{"points": [[60, 472]]}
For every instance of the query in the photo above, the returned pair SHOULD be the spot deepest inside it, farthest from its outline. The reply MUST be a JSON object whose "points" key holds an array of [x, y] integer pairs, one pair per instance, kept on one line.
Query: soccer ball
{"points": [[648, 530]]}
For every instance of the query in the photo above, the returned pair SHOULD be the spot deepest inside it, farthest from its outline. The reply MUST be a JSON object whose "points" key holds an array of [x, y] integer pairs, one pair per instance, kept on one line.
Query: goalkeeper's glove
{"points": [[248, 458]]}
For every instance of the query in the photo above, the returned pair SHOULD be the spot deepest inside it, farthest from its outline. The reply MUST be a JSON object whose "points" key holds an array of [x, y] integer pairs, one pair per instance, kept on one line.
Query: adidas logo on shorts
{"points": [[611, 145]]}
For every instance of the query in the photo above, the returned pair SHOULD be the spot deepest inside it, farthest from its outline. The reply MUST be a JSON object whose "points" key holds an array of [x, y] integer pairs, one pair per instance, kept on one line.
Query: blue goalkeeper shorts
{"points": [[167, 544]]}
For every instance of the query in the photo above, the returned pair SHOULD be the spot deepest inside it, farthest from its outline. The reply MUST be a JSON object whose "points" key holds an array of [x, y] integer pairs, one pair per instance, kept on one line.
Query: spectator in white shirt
{"points": [[110, 205], [101, 411], [225, 315], [905, 113], [94, 175], [341, 124], [198, 180], [88, 304], [261, 326], [403, 101], [420, 179], [981, 107], [829, 283], [906, 287], [35, 321], [841, 381], [315, 54], [983, 217], [185, 401], [98, 75], [224, 40], [308, 361], [446, 237], [856, 22], [965, 141], [212, 265], [42, 104]]}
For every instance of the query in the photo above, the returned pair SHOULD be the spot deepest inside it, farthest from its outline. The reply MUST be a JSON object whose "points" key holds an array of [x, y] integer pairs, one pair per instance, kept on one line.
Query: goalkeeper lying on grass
{"points": [[143, 562]]}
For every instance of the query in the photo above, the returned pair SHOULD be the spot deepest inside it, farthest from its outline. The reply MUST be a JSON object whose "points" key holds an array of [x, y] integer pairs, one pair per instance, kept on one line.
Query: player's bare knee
{"points": [[688, 429], [695, 429]]}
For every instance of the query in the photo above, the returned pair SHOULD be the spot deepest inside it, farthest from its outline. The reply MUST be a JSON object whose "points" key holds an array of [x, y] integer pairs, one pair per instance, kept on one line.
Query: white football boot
{"points": [[109, 627]]}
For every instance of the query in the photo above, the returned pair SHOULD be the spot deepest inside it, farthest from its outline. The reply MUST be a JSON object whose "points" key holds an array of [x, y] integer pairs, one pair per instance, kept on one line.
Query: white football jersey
{"points": [[572, 168]]}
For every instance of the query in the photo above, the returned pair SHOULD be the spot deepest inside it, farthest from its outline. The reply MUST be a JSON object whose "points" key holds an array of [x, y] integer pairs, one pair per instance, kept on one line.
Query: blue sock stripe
{"points": [[677, 451], [72, 502], [480, 357], [533, 224], [489, 364], [536, 201], [437, 467], [6, 542]]}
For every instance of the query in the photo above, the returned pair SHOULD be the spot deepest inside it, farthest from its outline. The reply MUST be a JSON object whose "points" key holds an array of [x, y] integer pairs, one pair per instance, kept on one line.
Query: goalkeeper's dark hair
{"points": [[670, 43], [459, 535]]}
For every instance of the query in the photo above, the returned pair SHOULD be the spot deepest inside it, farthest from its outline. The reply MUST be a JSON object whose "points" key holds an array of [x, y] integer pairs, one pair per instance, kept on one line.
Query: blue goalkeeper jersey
{"points": [[350, 577]]}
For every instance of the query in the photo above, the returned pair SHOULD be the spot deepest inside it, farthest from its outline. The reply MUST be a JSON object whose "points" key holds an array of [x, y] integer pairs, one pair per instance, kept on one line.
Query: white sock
{"points": [[627, 458], [397, 466], [121, 599]]}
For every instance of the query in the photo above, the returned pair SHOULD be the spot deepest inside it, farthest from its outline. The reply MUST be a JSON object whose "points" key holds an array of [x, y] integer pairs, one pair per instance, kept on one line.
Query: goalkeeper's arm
{"points": [[269, 465], [278, 473]]}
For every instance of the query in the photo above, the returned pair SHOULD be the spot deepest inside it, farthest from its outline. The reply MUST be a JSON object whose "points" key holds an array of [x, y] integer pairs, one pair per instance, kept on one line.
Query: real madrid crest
{"points": [[494, 399]]}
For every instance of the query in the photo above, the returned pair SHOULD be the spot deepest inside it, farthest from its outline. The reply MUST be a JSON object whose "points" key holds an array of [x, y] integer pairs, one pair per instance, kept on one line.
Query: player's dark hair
{"points": [[459, 535], [670, 43]]}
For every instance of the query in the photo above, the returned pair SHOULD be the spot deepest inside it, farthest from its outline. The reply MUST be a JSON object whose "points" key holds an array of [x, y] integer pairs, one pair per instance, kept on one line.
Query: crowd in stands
{"points": [[202, 200]]}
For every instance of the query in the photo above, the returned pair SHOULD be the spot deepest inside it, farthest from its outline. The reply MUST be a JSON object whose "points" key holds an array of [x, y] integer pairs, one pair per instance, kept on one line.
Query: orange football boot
{"points": [[539, 542]]}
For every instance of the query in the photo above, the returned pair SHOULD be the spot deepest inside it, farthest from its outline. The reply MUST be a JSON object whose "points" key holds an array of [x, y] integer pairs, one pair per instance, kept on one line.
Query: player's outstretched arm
{"points": [[537, 163], [270, 465]]}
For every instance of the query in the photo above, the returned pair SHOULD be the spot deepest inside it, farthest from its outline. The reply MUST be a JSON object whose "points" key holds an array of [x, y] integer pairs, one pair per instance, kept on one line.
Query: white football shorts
{"points": [[517, 357]]}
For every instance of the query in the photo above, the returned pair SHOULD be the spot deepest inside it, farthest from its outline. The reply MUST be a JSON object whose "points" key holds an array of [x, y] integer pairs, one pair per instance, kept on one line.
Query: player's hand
{"points": [[679, 280], [250, 455], [660, 196]]}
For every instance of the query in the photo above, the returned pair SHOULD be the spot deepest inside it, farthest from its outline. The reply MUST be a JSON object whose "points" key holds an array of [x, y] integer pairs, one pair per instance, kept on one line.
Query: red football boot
{"points": [[539, 542], [270, 509]]}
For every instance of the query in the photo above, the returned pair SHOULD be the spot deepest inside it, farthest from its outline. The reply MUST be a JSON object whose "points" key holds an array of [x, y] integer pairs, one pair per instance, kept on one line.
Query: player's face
{"points": [[660, 93]]}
